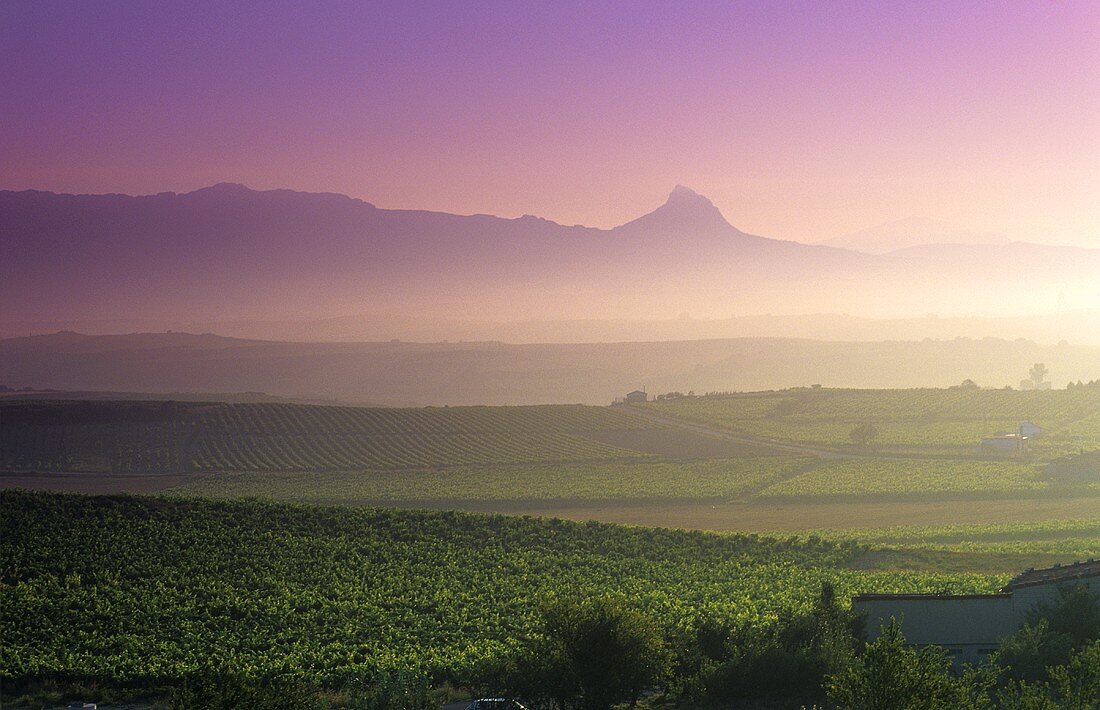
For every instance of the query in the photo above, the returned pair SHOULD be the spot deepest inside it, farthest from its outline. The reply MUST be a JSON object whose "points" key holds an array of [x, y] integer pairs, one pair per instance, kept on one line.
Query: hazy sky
{"points": [[800, 120]]}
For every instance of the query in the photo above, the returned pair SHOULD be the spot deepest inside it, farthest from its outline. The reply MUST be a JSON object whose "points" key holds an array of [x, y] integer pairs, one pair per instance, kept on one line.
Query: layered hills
{"points": [[228, 252]]}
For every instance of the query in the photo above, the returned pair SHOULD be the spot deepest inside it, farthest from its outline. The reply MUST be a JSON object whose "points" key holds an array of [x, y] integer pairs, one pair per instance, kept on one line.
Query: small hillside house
{"points": [[636, 396], [971, 626]]}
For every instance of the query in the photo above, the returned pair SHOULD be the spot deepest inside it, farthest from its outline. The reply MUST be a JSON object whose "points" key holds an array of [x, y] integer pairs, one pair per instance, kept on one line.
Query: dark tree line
{"points": [[599, 653]]}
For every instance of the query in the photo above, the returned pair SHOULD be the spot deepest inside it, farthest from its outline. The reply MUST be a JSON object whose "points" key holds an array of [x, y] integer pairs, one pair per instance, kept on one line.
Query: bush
{"points": [[892, 676], [224, 690], [1052, 634], [863, 434], [599, 652], [788, 659], [1074, 685]]}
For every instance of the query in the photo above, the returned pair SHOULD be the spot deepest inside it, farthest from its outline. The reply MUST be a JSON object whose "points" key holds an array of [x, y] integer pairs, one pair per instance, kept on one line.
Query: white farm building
{"points": [[971, 626]]}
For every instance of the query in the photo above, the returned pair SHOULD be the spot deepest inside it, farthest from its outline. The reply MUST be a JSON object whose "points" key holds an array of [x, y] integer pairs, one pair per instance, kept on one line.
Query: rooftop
{"points": [[927, 597], [1027, 578], [1057, 573]]}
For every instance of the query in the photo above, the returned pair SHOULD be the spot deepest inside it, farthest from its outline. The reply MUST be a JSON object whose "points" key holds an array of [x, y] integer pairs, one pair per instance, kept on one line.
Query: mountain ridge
{"points": [[230, 252]]}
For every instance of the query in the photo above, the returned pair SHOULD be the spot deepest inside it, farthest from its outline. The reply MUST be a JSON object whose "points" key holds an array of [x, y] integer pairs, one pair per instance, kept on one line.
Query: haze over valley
{"points": [[495, 373], [480, 355], [279, 264]]}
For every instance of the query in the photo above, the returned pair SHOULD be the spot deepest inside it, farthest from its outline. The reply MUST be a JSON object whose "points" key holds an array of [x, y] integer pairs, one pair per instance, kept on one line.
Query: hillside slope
{"points": [[402, 374]]}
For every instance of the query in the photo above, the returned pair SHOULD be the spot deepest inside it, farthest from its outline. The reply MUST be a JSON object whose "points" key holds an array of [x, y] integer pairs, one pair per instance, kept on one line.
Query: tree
{"points": [[1073, 685], [864, 434], [608, 652], [788, 658], [892, 676], [1038, 373], [1053, 632]]}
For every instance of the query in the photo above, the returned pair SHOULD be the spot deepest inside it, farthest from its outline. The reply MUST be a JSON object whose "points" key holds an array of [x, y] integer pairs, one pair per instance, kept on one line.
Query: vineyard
{"points": [[554, 457], [1066, 539], [127, 590], [893, 478], [919, 421], [155, 437], [94, 436], [709, 479]]}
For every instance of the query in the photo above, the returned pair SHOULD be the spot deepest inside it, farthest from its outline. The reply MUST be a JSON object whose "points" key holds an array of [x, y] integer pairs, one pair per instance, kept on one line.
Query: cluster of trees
{"points": [[594, 654], [672, 396], [1036, 377]]}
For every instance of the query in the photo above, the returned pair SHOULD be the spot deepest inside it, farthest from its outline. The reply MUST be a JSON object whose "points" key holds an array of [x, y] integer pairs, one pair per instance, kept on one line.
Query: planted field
{"points": [[278, 437], [677, 443], [140, 591], [909, 478], [930, 421], [121, 447], [93, 436], [125, 437], [298, 419], [990, 547], [1068, 539], [716, 478], [334, 452]]}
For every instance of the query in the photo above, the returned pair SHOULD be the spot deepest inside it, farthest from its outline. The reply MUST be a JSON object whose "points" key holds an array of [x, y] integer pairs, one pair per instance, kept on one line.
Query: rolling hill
{"points": [[400, 373]]}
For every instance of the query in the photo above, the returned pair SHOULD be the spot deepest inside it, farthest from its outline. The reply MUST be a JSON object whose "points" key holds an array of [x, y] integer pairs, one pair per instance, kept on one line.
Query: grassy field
{"points": [[919, 421], [861, 479], [246, 563], [712, 478], [143, 590], [764, 480], [1079, 539], [575, 462]]}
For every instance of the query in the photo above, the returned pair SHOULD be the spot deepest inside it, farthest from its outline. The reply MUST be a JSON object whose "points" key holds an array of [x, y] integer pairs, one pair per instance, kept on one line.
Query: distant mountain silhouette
{"points": [[912, 232], [684, 211], [228, 252]]}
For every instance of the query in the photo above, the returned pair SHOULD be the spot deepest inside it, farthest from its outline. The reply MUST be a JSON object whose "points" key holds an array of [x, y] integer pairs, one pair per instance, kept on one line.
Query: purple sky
{"points": [[800, 120]]}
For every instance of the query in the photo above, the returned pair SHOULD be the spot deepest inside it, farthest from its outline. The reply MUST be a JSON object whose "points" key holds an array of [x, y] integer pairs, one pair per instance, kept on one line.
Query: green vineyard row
{"points": [[140, 437], [144, 590]]}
